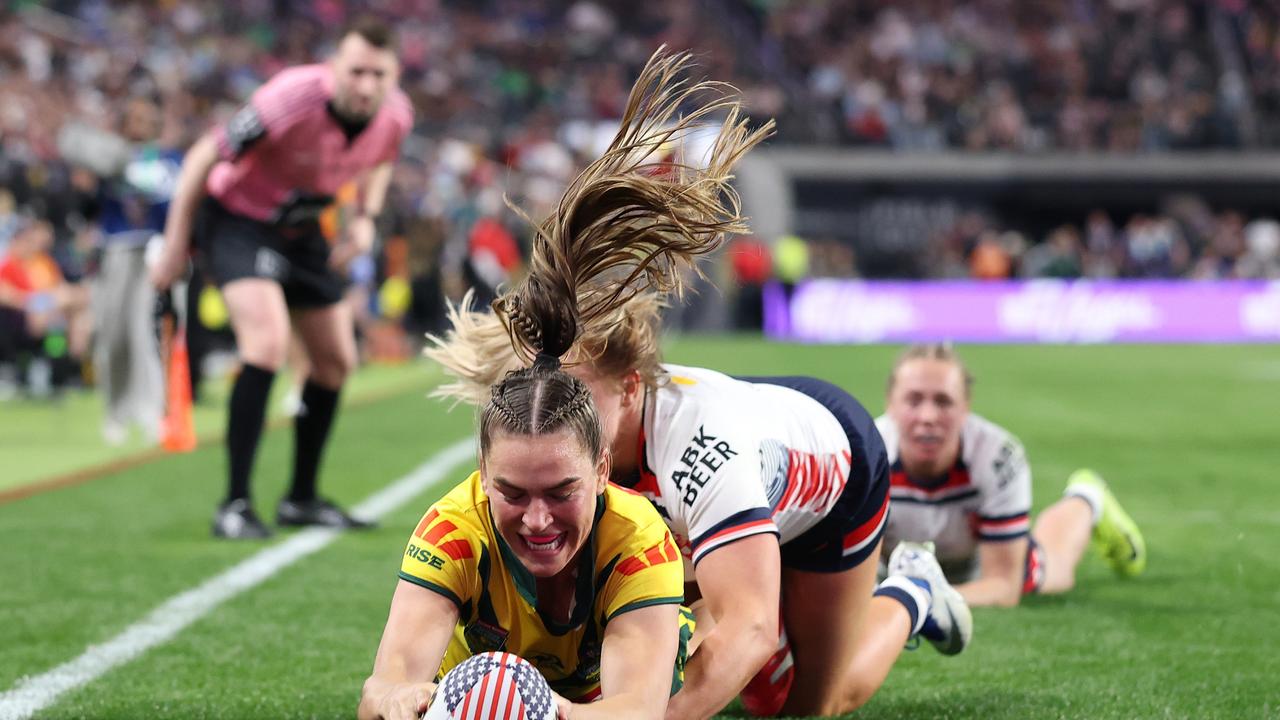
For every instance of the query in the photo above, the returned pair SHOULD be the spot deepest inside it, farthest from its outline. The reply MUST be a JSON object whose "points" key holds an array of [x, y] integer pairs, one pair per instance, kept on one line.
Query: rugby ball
{"points": [[492, 686]]}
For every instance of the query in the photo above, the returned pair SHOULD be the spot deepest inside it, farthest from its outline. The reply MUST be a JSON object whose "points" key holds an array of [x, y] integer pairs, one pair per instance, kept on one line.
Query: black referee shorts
{"points": [[233, 247]]}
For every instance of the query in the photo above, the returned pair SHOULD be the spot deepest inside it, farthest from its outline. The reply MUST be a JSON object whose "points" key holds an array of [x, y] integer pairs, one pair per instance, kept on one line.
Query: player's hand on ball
{"points": [[564, 708], [406, 702]]}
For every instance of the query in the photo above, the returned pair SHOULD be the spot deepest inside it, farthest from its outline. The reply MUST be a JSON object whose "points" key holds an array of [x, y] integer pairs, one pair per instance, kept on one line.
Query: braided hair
{"points": [[623, 236], [541, 400]]}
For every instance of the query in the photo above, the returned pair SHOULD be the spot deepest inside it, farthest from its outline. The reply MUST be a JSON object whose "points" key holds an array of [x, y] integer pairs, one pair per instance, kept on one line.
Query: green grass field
{"points": [[41, 439], [1188, 436]]}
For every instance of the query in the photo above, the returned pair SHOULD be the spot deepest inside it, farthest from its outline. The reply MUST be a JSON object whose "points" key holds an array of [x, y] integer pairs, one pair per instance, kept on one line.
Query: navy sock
{"points": [[310, 433], [244, 425], [912, 593]]}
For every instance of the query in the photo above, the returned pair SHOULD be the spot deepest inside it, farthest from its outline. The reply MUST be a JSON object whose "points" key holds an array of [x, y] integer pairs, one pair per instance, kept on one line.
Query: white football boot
{"points": [[949, 626]]}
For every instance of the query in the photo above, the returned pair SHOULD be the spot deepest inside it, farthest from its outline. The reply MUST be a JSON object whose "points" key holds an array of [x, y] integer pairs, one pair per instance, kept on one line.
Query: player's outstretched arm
{"points": [[740, 584], [636, 663], [413, 643], [1000, 585], [196, 167]]}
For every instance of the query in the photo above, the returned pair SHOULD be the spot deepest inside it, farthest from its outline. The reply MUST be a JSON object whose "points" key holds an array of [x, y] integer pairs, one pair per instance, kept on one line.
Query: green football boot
{"points": [[1116, 536]]}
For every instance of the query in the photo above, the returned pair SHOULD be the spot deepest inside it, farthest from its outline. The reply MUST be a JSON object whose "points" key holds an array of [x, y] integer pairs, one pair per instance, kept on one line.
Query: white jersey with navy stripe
{"points": [[724, 459], [985, 496]]}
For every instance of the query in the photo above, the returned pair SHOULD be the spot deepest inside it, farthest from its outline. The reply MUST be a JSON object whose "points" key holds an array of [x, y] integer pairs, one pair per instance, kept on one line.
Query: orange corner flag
{"points": [[178, 433]]}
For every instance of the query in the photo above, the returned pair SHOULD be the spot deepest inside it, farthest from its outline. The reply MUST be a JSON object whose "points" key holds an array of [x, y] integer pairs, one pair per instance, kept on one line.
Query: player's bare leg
{"points": [[1089, 513], [1063, 531], [845, 640], [704, 622], [884, 634], [841, 655]]}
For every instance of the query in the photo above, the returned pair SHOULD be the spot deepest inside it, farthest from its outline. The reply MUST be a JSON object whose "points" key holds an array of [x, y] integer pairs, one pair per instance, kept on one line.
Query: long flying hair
{"points": [[622, 237]]}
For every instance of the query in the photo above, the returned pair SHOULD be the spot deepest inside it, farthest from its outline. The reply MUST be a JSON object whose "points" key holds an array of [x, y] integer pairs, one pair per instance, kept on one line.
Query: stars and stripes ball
{"points": [[493, 686]]}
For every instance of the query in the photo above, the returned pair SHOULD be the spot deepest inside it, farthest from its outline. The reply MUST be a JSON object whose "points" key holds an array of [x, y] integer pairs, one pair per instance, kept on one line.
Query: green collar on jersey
{"points": [[584, 593]]}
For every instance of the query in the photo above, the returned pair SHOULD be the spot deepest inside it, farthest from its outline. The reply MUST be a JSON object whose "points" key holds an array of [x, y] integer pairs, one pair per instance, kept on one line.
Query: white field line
{"points": [[34, 693]]}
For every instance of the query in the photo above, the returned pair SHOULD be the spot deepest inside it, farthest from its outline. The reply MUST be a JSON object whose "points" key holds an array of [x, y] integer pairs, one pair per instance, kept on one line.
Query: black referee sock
{"points": [[244, 425], [310, 431]]}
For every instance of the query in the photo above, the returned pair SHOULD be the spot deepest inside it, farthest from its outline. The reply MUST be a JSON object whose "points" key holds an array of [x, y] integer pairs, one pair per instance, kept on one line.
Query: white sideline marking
{"points": [[33, 694]]}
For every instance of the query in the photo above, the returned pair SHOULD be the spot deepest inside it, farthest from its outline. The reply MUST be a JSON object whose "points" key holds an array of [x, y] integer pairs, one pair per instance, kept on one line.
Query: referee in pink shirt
{"points": [[250, 195]]}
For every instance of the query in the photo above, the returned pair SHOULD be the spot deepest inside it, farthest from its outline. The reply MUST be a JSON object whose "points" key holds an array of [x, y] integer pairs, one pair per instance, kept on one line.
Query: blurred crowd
{"points": [[512, 96], [1186, 239], [1031, 76], [941, 238]]}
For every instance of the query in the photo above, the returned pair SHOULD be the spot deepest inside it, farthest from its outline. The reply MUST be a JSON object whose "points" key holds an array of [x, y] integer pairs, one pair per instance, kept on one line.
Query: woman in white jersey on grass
{"points": [[775, 489], [963, 483]]}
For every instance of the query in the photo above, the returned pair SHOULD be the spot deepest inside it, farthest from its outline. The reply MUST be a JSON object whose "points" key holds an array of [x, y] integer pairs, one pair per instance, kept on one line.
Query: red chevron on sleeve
{"points": [[631, 565], [456, 549], [435, 534], [425, 522]]}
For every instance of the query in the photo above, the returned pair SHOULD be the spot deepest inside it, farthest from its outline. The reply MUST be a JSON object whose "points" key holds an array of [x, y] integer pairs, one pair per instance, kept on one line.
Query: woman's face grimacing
{"points": [[542, 490], [929, 403]]}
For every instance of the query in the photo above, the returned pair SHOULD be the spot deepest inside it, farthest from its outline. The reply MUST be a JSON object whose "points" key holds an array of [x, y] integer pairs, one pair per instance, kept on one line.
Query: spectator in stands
{"points": [[751, 266], [1225, 249], [990, 259], [1155, 248], [1057, 257], [1261, 259], [790, 261], [45, 316]]}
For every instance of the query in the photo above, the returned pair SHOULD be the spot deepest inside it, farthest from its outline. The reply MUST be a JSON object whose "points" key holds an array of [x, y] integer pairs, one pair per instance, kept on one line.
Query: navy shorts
{"points": [[233, 247], [851, 531]]}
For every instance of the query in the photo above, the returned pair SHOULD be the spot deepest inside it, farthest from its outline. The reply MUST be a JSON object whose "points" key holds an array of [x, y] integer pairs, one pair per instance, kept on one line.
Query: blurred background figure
{"points": [[134, 173], [790, 261], [250, 197], [44, 321], [752, 267]]}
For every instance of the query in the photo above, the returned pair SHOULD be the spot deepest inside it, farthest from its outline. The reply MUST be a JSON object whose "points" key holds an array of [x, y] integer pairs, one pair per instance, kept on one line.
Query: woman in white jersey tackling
{"points": [[963, 483], [775, 489]]}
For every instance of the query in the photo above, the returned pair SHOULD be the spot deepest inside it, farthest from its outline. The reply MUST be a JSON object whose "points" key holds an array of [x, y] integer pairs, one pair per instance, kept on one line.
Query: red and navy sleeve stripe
{"points": [[735, 527], [1004, 527]]}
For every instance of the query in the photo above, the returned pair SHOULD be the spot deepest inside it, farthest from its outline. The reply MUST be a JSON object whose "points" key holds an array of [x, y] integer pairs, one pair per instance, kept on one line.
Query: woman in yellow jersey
{"points": [[536, 554], [774, 489]]}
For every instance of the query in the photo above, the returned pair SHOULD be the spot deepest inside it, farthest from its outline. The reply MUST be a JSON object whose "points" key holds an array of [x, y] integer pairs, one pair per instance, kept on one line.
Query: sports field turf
{"points": [[43, 439], [1189, 438]]}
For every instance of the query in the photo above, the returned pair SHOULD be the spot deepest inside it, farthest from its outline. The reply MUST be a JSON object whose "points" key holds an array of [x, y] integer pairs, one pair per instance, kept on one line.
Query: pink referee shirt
{"points": [[284, 156]]}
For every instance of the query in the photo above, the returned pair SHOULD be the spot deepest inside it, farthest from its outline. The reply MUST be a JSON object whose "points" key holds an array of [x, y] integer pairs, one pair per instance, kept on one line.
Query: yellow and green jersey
{"points": [[629, 561]]}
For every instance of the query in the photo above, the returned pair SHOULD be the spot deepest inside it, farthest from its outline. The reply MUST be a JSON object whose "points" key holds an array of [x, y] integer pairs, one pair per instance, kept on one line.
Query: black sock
{"points": [[244, 425], [311, 430]]}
